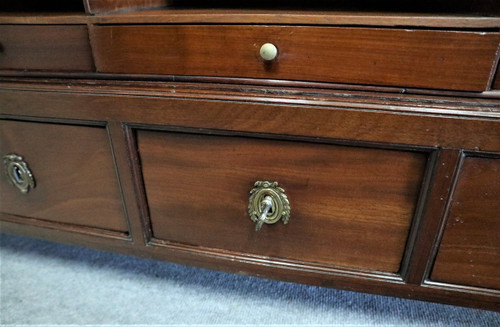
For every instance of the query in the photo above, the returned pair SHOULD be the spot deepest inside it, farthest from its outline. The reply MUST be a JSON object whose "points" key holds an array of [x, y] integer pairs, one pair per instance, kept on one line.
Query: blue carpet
{"points": [[49, 283]]}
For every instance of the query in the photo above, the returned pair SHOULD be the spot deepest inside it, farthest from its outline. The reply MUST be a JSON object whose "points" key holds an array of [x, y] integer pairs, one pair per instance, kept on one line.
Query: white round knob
{"points": [[268, 51]]}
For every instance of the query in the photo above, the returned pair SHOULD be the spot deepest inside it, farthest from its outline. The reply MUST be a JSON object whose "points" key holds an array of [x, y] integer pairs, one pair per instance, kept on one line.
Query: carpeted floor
{"points": [[48, 283]]}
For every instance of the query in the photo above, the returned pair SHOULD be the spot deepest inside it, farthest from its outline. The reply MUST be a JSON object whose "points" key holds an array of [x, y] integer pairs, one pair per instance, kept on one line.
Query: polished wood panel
{"points": [[75, 177], [350, 206], [470, 250], [310, 117], [407, 58], [100, 6], [299, 17], [45, 47]]}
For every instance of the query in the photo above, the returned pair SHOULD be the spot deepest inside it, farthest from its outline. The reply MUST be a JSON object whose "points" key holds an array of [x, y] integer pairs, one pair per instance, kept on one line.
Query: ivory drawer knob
{"points": [[268, 51]]}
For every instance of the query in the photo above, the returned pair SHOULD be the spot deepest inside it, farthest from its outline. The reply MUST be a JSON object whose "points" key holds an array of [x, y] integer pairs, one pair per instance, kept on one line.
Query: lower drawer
{"points": [[350, 206], [73, 176], [470, 250]]}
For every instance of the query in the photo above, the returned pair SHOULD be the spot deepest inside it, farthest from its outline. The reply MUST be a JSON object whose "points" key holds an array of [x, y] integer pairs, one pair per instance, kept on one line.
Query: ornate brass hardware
{"points": [[268, 204], [18, 173]]}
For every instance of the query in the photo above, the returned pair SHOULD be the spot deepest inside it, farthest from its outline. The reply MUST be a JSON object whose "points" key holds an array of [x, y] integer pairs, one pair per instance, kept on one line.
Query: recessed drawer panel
{"points": [[45, 47], [72, 181], [349, 206], [395, 57], [470, 250]]}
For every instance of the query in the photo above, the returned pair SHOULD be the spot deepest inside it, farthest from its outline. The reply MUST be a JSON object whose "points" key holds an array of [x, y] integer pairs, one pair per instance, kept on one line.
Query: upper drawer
{"points": [[350, 207], [74, 180], [396, 57], [45, 47]]}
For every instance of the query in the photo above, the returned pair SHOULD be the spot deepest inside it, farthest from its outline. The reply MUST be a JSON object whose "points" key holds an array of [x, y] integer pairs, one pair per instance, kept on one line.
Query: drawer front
{"points": [[470, 250], [395, 57], [45, 47], [350, 206], [74, 176]]}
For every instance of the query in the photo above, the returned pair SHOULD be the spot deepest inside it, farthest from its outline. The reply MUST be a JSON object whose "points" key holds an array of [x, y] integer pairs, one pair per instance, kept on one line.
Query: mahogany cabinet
{"points": [[350, 146]]}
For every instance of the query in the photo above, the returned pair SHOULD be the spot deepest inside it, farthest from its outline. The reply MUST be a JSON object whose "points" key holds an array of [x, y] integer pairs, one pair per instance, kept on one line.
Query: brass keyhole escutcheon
{"points": [[268, 203], [18, 173]]}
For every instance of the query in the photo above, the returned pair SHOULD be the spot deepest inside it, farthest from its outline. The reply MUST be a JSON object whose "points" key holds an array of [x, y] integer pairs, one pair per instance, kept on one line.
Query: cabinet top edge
{"points": [[253, 16]]}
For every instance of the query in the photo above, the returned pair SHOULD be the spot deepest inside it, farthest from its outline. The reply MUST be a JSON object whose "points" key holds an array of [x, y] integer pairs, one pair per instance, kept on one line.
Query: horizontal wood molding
{"points": [[342, 122], [247, 16], [332, 18]]}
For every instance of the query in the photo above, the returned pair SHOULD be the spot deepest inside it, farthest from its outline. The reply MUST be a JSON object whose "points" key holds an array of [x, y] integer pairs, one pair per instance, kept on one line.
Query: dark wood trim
{"points": [[114, 79], [138, 183], [407, 265], [52, 120], [465, 288], [293, 119], [441, 186], [208, 16], [494, 71], [331, 18], [85, 230], [270, 136], [121, 155], [454, 177], [289, 264]]}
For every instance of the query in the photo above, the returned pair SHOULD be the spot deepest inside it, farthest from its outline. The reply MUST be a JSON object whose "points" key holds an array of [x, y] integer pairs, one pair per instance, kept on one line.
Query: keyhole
{"points": [[16, 173]]}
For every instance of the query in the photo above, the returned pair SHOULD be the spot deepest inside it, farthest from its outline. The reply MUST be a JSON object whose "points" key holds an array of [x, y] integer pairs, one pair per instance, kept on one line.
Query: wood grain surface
{"points": [[470, 250], [233, 15], [45, 47], [75, 177], [223, 111], [350, 206], [394, 57]]}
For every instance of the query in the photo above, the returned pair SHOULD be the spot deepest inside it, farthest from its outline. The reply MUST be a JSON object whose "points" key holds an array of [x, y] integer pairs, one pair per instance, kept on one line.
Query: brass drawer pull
{"points": [[18, 173], [268, 204]]}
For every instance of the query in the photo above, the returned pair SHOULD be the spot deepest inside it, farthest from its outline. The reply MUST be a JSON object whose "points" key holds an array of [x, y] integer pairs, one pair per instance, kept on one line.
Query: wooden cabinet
{"points": [[381, 128]]}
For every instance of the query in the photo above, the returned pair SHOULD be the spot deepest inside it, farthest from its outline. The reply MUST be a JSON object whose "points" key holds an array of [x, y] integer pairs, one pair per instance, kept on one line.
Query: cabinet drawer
{"points": [[395, 57], [470, 250], [350, 206], [45, 47], [74, 176]]}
